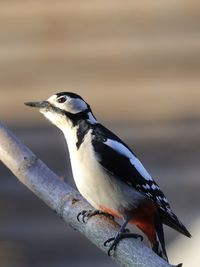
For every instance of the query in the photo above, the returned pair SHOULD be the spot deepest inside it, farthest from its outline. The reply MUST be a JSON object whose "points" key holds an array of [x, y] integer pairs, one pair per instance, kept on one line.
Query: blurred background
{"points": [[138, 64]]}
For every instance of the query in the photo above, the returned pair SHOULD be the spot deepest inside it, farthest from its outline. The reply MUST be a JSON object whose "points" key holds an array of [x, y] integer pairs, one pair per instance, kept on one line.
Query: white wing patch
{"points": [[146, 187], [91, 118], [140, 168], [154, 187], [149, 187], [121, 149]]}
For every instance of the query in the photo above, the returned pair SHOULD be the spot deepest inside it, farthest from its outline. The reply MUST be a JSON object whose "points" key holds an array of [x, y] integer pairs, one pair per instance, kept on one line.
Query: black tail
{"points": [[172, 221], [158, 246]]}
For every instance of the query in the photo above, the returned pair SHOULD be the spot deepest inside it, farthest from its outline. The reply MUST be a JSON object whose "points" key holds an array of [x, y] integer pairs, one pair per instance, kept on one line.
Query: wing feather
{"points": [[118, 159]]}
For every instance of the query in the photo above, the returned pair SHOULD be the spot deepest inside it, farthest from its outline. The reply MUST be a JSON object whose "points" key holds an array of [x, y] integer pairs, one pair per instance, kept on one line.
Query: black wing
{"points": [[118, 159]]}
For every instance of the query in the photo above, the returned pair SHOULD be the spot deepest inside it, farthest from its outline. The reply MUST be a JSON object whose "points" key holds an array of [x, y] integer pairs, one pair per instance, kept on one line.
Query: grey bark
{"points": [[67, 203]]}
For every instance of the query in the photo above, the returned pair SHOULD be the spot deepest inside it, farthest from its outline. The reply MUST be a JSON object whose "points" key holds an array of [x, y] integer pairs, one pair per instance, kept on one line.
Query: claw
{"points": [[108, 241], [86, 214], [83, 215], [119, 237], [112, 247], [140, 237]]}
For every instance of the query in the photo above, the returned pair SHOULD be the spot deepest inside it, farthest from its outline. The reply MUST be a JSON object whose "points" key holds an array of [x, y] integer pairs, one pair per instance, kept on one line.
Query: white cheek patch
{"points": [[76, 105], [121, 149], [72, 105]]}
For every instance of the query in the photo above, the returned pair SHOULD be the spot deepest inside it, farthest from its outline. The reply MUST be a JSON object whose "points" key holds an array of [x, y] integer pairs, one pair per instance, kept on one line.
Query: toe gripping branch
{"points": [[84, 215], [118, 238]]}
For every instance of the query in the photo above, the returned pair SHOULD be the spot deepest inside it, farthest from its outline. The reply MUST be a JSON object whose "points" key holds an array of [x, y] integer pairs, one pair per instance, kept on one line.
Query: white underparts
{"points": [[92, 180]]}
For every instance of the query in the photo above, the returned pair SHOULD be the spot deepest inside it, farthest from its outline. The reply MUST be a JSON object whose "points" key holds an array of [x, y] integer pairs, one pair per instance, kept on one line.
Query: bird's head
{"points": [[64, 109]]}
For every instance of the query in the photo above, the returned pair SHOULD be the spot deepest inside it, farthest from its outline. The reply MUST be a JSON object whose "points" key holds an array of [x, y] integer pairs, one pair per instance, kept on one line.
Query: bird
{"points": [[109, 175]]}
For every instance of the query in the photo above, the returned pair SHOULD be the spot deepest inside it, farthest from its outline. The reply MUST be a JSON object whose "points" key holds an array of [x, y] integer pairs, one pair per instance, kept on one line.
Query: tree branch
{"points": [[67, 202]]}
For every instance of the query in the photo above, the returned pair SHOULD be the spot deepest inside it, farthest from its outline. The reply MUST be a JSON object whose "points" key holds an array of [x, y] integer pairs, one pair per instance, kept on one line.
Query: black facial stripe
{"points": [[79, 119], [75, 118], [83, 128], [57, 110]]}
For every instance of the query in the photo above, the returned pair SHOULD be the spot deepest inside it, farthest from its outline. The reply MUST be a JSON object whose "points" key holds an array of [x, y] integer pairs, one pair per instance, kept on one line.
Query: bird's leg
{"points": [[123, 233], [84, 215]]}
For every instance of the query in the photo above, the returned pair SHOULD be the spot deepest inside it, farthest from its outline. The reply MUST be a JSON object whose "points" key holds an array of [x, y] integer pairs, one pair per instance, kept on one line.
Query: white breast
{"points": [[93, 182]]}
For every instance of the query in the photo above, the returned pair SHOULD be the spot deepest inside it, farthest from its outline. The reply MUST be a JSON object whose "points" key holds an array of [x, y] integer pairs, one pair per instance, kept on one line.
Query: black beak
{"points": [[40, 104]]}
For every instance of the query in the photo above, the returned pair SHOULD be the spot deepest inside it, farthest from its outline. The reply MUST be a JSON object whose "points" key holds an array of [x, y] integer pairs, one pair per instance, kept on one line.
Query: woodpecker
{"points": [[108, 173]]}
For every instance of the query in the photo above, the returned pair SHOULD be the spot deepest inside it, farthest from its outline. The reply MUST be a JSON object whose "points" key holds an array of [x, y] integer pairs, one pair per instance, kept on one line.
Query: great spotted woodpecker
{"points": [[108, 174]]}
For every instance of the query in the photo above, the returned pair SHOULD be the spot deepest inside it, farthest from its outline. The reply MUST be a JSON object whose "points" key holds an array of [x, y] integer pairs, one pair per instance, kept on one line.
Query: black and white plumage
{"points": [[107, 172]]}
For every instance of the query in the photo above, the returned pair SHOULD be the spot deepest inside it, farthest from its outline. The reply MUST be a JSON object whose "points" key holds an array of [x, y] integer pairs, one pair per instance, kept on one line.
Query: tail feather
{"points": [[149, 220], [172, 221], [158, 244], [158, 248]]}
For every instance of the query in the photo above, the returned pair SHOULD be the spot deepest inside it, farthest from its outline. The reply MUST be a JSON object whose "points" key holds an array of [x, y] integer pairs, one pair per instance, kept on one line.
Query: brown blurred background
{"points": [[138, 64]]}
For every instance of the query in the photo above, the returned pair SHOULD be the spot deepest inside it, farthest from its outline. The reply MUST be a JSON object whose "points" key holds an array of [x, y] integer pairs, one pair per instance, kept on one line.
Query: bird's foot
{"points": [[119, 237], [84, 215]]}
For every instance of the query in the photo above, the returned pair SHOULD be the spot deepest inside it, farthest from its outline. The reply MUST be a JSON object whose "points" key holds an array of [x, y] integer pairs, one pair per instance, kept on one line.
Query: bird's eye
{"points": [[61, 100]]}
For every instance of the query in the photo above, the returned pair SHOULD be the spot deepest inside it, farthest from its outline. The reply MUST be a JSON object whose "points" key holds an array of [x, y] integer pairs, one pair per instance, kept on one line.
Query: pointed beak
{"points": [[40, 104]]}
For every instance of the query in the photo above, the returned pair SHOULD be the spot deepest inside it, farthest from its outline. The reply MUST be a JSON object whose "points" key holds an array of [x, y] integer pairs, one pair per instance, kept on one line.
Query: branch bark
{"points": [[67, 203]]}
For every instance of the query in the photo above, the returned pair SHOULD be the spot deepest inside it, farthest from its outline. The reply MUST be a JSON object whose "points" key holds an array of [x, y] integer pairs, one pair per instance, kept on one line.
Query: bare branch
{"points": [[67, 202]]}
